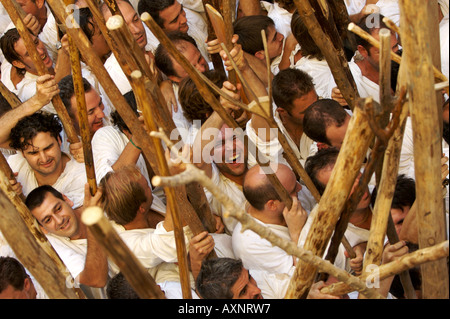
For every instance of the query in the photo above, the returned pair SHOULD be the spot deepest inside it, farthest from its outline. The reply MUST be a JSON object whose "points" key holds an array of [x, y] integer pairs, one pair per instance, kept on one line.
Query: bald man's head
{"points": [[258, 189]]}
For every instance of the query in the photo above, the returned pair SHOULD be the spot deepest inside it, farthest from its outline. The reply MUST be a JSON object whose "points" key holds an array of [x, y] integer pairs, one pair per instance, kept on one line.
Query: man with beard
{"points": [[40, 161]]}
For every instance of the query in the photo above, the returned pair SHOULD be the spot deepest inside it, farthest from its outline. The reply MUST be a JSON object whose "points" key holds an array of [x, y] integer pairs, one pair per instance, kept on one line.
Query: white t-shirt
{"points": [[232, 190], [108, 144], [70, 183]]}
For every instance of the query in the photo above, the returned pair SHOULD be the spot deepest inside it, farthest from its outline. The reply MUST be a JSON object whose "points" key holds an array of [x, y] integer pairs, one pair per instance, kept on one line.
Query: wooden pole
{"points": [[31, 247], [11, 8], [427, 142], [134, 59], [328, 40], [411, 260], [80, 99], [439, 77], [215, 58], [193, 173], [346, 169], [143, 100], [261, 107], [12, 99], [138, 277]]}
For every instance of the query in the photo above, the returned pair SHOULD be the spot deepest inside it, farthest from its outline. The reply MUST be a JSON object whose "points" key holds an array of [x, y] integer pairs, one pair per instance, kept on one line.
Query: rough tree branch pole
{"points": [[327, 41], [31, 247], [347, 167], [427, 141], [193, 173], [14, 11], [138, 277]]}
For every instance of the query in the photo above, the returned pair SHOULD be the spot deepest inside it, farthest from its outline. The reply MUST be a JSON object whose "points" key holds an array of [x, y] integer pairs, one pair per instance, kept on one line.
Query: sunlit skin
{"points": [[193, 55], [335, 134], [245, 287], [174, 18], [26, 62], [57, 217], [28, 291], [274, 42], [45, 158], [94, 111], [230, 155]]}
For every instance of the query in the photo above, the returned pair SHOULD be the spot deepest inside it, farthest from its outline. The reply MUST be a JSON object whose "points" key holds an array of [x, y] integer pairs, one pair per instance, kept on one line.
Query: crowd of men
{"points": [[308, 108]]}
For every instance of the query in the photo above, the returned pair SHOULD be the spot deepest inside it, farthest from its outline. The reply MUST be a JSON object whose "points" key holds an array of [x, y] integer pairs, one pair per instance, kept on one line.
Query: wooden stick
{"points": [[192, 173], [382, 209], [411, 260], [215, 58], [327, 41], [346, 169], [223, 29], [82, 113], [427, 142], [138, 277], [31, 247], [263, 109], [11, 8], [143, 101], [439, 77], [12, 99], [14, 102]]}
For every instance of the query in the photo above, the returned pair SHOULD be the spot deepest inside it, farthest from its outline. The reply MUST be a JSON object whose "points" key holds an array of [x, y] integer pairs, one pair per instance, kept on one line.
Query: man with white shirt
{"points": [[176, 73], [20, 74], [83, 256], [266, 208], [40, 161], [171, 16]]}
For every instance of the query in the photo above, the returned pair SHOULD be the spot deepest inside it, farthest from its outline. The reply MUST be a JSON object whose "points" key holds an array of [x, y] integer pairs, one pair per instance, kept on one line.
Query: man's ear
{"points": [[67, 200], [281, 111], [362, 50], [40, 3], [18, 64], [260, 55]]}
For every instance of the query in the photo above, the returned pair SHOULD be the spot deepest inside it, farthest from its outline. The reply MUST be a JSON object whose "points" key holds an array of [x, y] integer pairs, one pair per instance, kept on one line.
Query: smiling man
{"points": [[19, 74], [40, 161], [94, 104], [84, 257]]}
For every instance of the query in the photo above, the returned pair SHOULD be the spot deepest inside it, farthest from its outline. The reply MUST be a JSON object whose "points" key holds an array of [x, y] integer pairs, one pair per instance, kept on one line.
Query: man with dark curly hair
{"points": [[40, 161]]}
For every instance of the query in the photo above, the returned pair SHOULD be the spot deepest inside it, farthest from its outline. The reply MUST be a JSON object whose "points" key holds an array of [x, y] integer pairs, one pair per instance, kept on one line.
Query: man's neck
{"points": [[42, 16], [266, 217], [368, 71], [362, 218], [294, 129], [239, 179]]}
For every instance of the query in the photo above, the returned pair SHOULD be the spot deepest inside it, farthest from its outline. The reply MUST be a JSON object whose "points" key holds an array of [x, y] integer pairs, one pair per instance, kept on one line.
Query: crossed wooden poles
{"points": [[150, 100]]}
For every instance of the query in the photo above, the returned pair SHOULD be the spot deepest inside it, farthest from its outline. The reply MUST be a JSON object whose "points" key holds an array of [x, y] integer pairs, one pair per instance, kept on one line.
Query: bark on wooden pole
{"points": [[143, 101], [330, 44], [31, 247], [439, 77], [137, 276], [346, 169], [11, 8], [123, 41], [408, 261], [12, 99], [231, 209], [427, 142], [215, 58], [80, 100]]}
